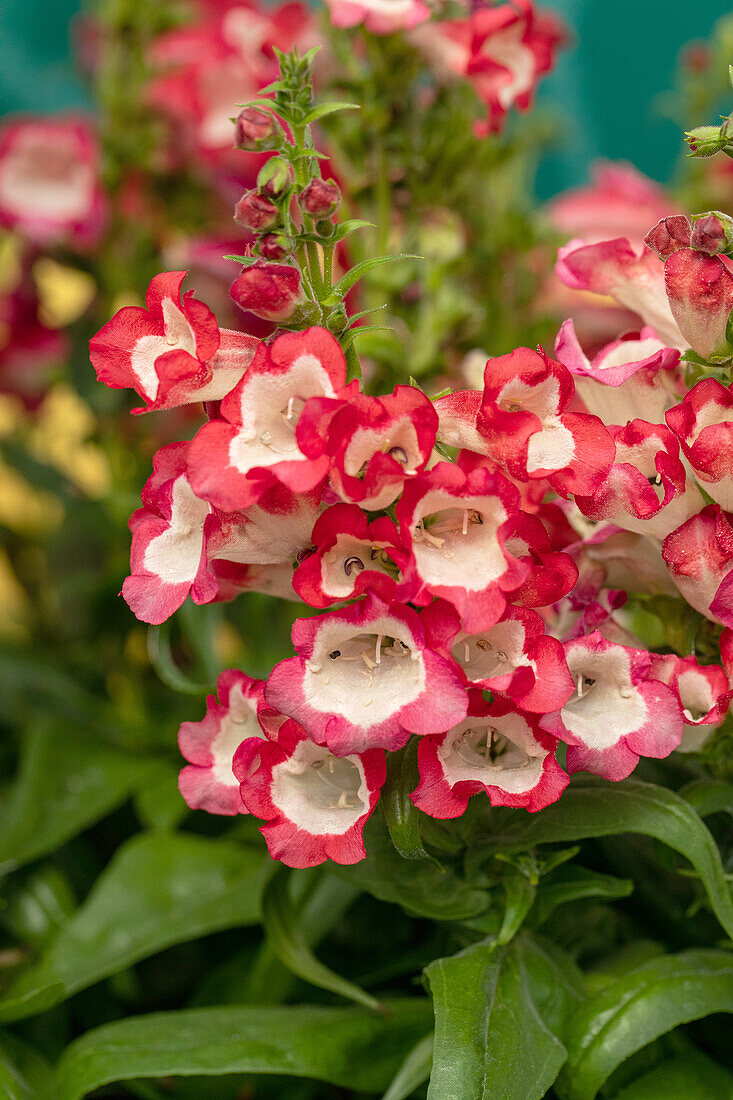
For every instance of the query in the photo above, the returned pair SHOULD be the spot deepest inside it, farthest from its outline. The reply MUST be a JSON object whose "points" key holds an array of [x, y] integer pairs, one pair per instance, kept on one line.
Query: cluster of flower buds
{"points": [[473, 557], [292, 206]]}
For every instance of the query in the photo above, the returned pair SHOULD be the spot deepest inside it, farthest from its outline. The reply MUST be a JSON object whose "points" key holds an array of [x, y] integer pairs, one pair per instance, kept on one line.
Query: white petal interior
{"points": [[362, 679], [458, 545], [499, 752], [602, 712], [493, 653], [319, 792], [237, 724], [175, 554]]}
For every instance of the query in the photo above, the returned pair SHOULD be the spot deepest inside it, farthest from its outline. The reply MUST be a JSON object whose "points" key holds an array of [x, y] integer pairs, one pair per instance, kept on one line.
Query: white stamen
{"points": [[378, 654]]}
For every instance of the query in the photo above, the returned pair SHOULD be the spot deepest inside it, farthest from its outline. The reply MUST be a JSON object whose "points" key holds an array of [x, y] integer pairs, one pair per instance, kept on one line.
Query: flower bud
{"points": [[320, 198], [276, 246], [706, 141], [274, 177], [255, 211], [256, 130], [272, 291], [669, 235], [712, 233]]}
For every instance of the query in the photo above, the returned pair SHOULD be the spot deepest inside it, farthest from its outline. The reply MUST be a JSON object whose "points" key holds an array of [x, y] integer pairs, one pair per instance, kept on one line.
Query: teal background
{"points": [[605, 88]]}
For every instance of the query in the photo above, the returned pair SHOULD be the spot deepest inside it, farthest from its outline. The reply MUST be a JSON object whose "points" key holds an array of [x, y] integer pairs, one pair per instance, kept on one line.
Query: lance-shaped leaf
{"points": [[65, 783], [328, 109], [639, 1007], [490, 1039], [290, 945], [349, 1047], [24, 1074], [414, 1070], [159, 889], [593, 807], [692, 1075]]}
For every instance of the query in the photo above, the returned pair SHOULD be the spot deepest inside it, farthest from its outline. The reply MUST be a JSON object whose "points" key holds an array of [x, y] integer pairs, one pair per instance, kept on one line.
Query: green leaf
{"points": [[693, 1076], [593, 807], [24, 1074], [65, 783], [639, 1007], [358, 271], [159, 889], [572, 883], [290, 946], [328, 109], [247, 261], [348, 1047], [490, 1040], [708, 796], [520, 894], [418, 886], [400, 812], [348, 227], [414, 1070], [161, 658]]}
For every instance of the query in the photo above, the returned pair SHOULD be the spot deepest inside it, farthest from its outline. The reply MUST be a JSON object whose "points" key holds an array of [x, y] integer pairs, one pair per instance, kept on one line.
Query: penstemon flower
{"points": [[481, 560]]}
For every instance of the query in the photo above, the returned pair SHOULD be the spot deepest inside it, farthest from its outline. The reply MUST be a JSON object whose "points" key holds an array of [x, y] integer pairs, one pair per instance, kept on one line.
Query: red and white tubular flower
{"points": [[528, 431], [364, 677], [646, 489], [168, 557], [274, 531], [234, 459], [49, 181], [495, 749], [208, 782], [373, 443], [456, 523], [378, 16], [351, 556], [703, 692], [515, 657], [635, 376], [703, 423], [699, 288], [618, 712], [314, 804], [699, 556], [633, 278], [551, 573], [512, 46], [173, 351]]}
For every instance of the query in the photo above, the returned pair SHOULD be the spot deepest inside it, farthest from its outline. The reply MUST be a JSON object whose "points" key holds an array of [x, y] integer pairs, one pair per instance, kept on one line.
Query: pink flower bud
{"points": [[255, 130], [712, 233], [275, 176], [276, 246], [669, 235], [320, 198], [268, 290], [255, 211]]}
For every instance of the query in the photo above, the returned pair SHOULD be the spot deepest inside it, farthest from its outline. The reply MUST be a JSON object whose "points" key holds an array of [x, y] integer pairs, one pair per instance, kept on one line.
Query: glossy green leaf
{"points": [[519, 894], [490, 1040], [400, 812], [345, 229], [350, 1047], [414, 1070], [24, 1074], [592, 807], [639, 1007], [358, 271], [65, 783], [573, 883], [419, 887], [328, 109], [159, 889], [693, 1076], [708, 796], [290, 946]]}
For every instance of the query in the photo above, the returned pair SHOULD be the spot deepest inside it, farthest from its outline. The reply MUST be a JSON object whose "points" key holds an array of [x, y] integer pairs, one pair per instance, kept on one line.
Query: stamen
{"points": [[351, 564], [398, 453], [266, 438], [335, 654], [289, 413], [484, 645], [378, 654], [466, 652], [464, 527], [367, 660]]}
